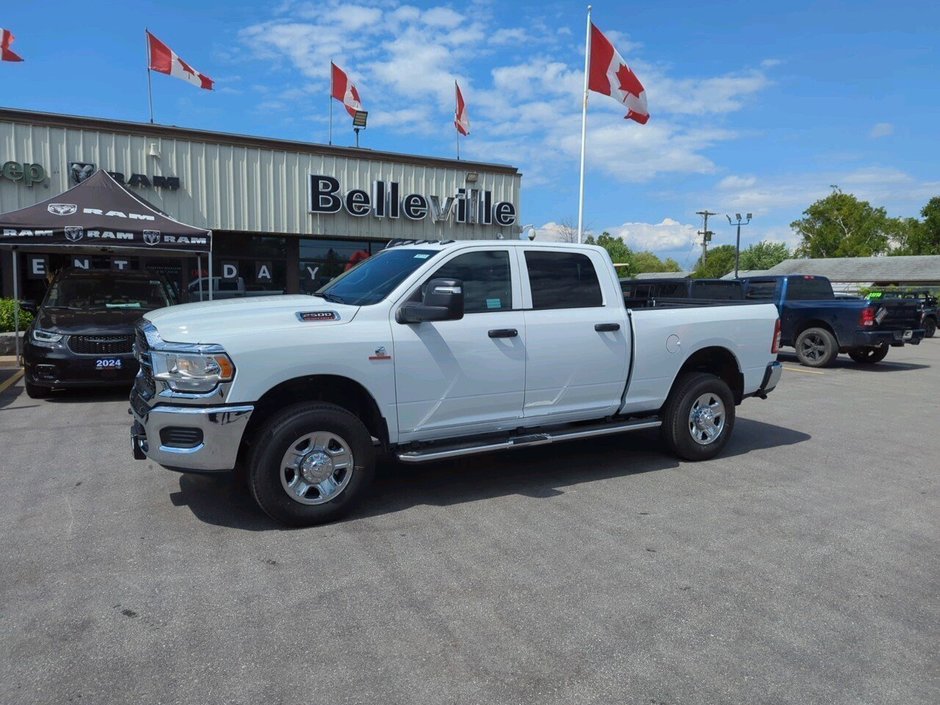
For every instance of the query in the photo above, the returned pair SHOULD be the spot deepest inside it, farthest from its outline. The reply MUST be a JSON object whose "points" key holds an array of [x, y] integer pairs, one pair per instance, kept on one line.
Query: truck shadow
{"points": [[543, 472], [844, 362]]}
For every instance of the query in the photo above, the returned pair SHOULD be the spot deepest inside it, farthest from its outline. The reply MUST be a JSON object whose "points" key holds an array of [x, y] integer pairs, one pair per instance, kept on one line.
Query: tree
{"points": [[646, 261], [718, 263], [616, 248], [915, 237], [763, 255], [840, 225]]}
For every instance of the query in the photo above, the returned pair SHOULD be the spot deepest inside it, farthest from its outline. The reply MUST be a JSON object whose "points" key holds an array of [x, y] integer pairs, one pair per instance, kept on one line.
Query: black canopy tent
{"points": [[99, 212]]}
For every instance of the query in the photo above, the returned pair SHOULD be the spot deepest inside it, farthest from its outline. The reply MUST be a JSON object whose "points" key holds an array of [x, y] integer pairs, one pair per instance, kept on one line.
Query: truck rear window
{"points": [[808, 288]]}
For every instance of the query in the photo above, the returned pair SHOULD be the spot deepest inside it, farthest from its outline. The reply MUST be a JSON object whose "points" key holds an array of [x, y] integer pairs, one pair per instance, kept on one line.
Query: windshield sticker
{"points": [[422, 256], [318, 315], [494, 303]]}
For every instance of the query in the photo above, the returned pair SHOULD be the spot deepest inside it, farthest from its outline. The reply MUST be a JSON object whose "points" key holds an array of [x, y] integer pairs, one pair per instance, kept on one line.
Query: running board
{"points": [[525, 441]]}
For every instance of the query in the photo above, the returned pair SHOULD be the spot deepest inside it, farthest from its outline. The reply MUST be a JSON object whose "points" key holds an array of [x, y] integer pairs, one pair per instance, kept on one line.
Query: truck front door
{"points": [[466, 375]]}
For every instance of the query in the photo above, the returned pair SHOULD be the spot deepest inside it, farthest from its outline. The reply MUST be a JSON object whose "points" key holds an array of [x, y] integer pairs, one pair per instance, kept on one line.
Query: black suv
{"points": [[83, 332]]}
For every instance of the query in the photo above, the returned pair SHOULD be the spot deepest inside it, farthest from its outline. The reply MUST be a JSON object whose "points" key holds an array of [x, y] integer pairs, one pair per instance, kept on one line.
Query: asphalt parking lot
{"points": [[800, 567]]}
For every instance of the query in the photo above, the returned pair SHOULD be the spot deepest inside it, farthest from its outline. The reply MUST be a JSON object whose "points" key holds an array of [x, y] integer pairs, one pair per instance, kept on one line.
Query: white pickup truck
{"points": [[434, 350]]}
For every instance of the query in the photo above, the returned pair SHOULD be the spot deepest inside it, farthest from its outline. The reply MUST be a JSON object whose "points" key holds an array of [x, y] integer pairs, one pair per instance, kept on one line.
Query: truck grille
{"points": [[100, 344], [145, 381]]}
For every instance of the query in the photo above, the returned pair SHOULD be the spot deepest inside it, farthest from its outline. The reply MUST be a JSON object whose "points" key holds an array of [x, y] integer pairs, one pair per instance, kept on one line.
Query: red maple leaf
{"points": [[628, 81]]}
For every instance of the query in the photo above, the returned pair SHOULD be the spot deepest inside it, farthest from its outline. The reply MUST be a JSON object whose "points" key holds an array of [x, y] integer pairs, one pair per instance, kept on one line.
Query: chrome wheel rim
{"points": [[706, 419], [813, 347], [316, 468]]}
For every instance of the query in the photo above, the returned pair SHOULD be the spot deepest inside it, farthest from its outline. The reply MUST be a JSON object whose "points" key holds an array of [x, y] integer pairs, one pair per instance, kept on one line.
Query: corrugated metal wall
{"points": [[244, 188]]}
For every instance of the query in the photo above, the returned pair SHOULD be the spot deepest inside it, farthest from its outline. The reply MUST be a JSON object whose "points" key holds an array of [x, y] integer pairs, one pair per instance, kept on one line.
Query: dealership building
{"points": [[285, 216]]}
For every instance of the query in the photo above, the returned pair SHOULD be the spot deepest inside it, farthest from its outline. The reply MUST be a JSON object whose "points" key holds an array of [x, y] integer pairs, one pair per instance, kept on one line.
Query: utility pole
{"points": [[705, 232], [737, 242]]}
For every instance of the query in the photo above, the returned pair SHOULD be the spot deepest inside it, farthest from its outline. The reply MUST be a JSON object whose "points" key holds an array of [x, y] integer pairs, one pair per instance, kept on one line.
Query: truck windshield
{"points": [[373, 279], [107, 292]]}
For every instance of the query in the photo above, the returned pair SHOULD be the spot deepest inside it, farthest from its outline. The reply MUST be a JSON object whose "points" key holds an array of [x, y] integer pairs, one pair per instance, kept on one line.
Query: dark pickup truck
{"points": [[644, 293], [927, 301], [820, 325]]}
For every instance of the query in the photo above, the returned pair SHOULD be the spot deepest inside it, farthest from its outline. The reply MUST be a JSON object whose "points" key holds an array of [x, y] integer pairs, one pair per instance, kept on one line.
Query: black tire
{"points": [[930, 327], [869, 355], [36, 391], [689, 433], [316, 434], [816, 347]]}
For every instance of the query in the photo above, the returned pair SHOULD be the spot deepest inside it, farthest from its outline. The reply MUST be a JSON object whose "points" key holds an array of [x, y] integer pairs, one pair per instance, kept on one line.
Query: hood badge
{"points": [[317, 316], [380, 354]]}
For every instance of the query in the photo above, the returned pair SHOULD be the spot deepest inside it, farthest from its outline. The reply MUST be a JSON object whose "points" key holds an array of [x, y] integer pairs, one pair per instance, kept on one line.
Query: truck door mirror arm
{"points": [[442, 301]]}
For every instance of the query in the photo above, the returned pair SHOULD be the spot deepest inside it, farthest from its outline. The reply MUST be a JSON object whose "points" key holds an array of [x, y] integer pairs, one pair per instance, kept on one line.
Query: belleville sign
{"points": [[468, 205]]}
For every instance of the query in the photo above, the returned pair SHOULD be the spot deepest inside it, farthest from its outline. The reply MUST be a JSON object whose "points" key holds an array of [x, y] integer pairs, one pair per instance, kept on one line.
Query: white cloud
{"points": [[881, 129], [667, 235], [404, 61], [736, 182]]}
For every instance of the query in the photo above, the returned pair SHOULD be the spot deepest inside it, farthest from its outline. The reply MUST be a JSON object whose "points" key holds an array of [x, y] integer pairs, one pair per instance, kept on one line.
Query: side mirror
{"points": [[28, 306], [443, 301]]}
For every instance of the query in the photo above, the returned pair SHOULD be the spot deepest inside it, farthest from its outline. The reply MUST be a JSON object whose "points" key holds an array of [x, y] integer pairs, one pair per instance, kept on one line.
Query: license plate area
{"points": [[108, 363], [907, 335]]}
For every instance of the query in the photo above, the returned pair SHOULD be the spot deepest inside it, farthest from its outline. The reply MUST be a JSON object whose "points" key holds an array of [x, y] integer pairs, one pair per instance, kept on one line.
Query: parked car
{"points": [[83, 332], [928, 305], [436, 350], [820, 325], [640, 293]]}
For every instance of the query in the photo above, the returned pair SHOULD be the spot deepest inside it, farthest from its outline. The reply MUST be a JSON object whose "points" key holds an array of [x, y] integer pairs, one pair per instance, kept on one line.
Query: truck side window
{"points": [[487, 283], [562, 280]]}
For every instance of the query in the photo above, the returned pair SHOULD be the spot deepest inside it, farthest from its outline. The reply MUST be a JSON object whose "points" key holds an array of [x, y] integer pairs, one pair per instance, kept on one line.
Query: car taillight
{"points": [[867, 318], [775, 344]]}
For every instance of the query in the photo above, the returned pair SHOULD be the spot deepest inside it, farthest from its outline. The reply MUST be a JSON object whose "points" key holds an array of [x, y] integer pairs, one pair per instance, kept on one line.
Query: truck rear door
{"points": [[577, 335]]}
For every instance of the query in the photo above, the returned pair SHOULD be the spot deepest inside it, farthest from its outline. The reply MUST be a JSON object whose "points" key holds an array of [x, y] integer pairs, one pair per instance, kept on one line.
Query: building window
{"points": [[322, 260]]}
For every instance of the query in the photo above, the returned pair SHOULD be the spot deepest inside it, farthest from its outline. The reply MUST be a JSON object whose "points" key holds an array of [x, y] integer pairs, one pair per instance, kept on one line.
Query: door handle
{"points": [[606, 327], [503, 333]]}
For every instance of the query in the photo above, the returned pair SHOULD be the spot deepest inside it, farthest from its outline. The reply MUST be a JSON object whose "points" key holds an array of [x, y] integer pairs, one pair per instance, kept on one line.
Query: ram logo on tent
{"points": [[62, 208], [152, 237], [74, 233]]}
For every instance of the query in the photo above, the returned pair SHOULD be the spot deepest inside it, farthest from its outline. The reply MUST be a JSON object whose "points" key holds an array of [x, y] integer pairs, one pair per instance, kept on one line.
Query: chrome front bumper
{"points": [[213, 435]]}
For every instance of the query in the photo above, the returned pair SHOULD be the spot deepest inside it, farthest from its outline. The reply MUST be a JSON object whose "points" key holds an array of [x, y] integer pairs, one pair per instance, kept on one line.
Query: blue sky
{"points": [[755, 106]]}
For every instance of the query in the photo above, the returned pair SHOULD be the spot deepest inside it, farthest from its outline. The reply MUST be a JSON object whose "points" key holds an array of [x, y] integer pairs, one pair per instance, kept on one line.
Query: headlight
{"points": [[192, 372], [45, 338]]}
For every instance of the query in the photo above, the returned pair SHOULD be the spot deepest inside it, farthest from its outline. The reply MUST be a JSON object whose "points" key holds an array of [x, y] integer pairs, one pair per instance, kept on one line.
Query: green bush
{"points": [[6, 316]]}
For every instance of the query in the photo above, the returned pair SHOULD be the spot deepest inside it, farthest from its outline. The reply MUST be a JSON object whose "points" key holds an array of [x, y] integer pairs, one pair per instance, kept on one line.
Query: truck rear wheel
{"points": [[698, 416], [310, 464], [869, 355], [816, 347]]}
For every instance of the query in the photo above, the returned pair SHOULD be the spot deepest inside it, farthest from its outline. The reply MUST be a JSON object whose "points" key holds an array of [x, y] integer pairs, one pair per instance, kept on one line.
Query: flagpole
{"points": [[587, 68], [149, 83], [331, 101], [456, 118]]}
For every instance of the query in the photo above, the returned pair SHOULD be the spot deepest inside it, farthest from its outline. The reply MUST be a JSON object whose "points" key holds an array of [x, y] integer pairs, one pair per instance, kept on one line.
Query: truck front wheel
{"points": [[698, 416], [930, 327], [310, 464], [816, 347]]}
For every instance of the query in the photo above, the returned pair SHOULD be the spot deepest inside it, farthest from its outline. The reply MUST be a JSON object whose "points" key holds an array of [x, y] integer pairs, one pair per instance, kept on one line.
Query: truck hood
{"points": [[73, 321], [215, 321]]}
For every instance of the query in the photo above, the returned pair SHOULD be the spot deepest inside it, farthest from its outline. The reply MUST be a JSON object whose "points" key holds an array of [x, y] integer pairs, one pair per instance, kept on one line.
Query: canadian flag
{"points": [[461, 119], [611, 76], [343, 90], [7, 54], [165, 60]]}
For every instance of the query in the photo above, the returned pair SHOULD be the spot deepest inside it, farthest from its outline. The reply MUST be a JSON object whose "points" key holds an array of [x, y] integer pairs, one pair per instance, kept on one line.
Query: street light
{"points": [[359, 123], [737, 242]]}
